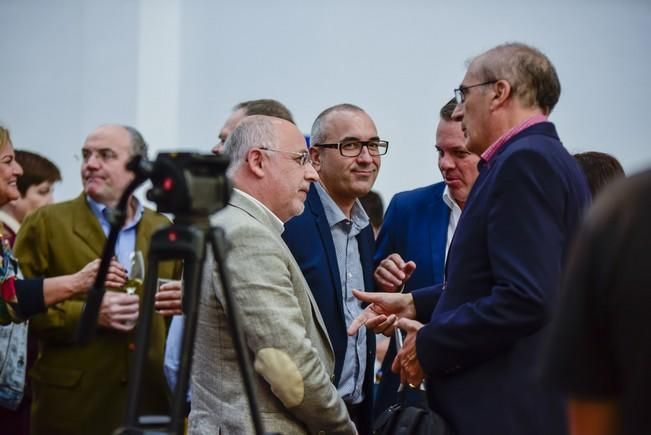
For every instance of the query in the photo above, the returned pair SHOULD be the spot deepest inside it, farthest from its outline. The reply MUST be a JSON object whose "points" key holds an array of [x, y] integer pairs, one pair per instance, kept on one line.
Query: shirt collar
{"points": [[278, 224], [100, 211], [335, 215], [448, 199], [488, 154]]}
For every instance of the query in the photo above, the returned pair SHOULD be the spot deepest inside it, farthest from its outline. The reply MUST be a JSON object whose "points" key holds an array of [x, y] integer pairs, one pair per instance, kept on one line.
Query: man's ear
{"points": [[315, 157], [503, 92], [256, 162]]}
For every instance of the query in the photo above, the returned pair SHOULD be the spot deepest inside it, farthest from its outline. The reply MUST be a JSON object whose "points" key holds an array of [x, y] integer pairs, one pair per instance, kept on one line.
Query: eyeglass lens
{"points": [[353, 149]]}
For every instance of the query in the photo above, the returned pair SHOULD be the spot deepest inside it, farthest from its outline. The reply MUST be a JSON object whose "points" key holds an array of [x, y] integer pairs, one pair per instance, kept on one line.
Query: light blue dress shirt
{"points": [[344, 232], [126, 241], [173, 353]]}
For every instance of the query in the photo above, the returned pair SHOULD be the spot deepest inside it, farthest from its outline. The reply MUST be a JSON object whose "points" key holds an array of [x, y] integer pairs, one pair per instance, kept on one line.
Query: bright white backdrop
{"points": [[174, 68]]}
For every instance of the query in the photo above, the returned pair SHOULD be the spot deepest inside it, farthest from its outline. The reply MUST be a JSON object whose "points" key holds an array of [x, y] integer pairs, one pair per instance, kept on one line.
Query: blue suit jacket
{"points": [[416, 227], [310, 240], [481, 345]]}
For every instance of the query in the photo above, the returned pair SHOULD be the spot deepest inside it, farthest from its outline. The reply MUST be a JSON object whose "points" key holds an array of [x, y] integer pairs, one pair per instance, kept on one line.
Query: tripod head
{"points": [[185, 184]]}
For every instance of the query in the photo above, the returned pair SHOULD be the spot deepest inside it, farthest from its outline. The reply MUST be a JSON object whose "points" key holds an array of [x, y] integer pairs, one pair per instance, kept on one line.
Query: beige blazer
{"points": [[283, 329]]}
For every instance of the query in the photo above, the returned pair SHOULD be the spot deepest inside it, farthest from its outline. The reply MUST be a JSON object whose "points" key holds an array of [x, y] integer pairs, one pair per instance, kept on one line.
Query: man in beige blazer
{"points": [[283, 329]]}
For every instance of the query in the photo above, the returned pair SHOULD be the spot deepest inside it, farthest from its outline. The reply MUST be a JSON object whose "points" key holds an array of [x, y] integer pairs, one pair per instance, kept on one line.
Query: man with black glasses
{"points": [[333, 243]]}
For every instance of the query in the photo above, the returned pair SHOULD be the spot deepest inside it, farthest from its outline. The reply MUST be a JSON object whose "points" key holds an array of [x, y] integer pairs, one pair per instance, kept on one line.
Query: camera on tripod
{"points": [[192, 187], [185, 184]]}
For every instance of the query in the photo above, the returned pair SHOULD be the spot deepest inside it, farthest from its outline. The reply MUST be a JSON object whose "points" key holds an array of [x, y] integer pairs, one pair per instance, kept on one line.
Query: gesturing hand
{"points": [[392, 273], [383, 311]]}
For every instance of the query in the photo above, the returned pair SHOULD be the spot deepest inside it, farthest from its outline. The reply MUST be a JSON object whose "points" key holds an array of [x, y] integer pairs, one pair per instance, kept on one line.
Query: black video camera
{"points": [[185, 184]]}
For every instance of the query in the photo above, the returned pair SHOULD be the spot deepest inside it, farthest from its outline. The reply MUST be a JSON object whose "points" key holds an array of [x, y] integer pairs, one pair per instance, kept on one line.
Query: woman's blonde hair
{"points": [[5, 138]]}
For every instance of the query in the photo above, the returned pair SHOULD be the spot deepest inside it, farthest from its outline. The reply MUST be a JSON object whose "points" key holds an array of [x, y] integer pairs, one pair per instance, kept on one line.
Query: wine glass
{"points": [[136, 273]]}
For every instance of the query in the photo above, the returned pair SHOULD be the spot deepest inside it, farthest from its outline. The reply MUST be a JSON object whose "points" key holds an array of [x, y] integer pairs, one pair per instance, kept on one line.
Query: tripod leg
{"points": [[189, 245], [142, 340], [192, 273]]}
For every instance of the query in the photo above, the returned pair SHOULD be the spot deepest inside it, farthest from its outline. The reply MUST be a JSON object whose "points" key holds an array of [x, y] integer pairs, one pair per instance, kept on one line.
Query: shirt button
{"points": [[350, 275], [132, 346]]}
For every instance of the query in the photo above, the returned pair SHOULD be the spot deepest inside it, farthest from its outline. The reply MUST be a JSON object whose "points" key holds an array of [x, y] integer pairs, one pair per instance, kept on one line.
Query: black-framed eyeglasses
{"points": [[353, 148], [300, 157], [460, 92]]}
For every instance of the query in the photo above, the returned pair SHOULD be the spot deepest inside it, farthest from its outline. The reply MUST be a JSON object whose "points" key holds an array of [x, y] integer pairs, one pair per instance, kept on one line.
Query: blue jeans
{"points": [[13, 364]]}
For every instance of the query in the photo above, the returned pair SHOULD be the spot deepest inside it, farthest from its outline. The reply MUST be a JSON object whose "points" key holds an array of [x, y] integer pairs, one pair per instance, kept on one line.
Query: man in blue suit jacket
{"points": [[482, 328], [418, 230], [333, 244]]}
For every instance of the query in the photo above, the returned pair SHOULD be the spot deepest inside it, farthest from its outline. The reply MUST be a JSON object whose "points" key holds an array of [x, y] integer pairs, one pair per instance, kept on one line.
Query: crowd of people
{"points": [[521, 303]]}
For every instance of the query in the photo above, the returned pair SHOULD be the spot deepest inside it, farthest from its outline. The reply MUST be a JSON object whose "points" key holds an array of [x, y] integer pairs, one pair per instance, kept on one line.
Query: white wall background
{"points": [[174, 68]]}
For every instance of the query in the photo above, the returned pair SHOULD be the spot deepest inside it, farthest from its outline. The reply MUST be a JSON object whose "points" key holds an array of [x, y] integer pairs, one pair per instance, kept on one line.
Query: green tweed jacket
{"points": [[83, 390]]}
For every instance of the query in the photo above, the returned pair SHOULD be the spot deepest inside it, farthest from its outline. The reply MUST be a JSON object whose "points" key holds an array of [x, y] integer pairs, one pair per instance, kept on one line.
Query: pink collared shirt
{"points": [[495, 147]]}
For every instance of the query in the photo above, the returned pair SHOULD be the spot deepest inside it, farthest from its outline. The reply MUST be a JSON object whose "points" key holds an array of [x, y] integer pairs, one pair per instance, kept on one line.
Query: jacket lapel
{"points": [[144, 231], [255, 211], [86, 226], [440, 218], [323, 227], [258, 214], [366, 244]]}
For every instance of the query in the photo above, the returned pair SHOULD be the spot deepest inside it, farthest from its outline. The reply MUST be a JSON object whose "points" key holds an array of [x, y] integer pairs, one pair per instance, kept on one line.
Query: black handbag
{"points": [[410, 419], [412, 414]]}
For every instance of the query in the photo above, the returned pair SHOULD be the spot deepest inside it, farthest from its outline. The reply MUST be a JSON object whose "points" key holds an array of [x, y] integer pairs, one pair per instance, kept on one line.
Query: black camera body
{"points": [[185, 184]]}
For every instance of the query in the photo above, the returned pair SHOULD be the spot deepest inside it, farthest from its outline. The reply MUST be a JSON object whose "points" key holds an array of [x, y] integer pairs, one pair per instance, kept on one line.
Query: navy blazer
{"points": [[481, 343], [310, 240], [416, 227]]}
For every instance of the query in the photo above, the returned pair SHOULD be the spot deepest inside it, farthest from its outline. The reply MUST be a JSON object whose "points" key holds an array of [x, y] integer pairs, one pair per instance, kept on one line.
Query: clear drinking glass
{"points": [[136, 273]]}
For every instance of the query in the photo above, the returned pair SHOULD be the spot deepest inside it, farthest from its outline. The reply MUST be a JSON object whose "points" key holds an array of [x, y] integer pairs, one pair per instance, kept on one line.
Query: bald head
{"points": [[530, 73], [322, 125], [502, 88], [137, 144], [252, 132], [105, 154], [269, 162]]}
